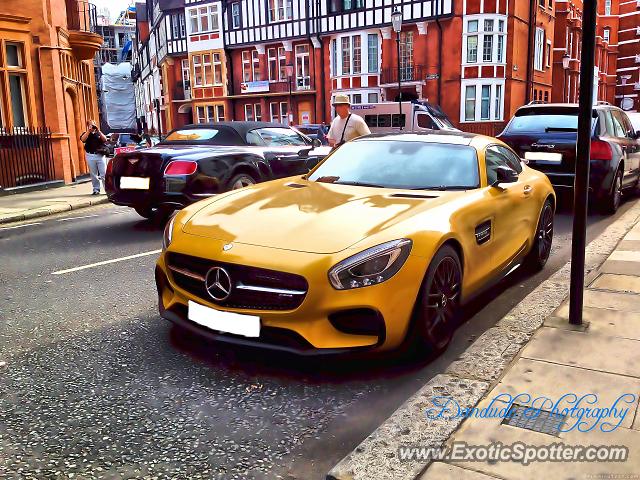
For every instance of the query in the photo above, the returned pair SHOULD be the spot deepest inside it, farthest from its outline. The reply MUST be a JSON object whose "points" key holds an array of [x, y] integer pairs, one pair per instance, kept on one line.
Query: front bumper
{"points": [[326, 322]]}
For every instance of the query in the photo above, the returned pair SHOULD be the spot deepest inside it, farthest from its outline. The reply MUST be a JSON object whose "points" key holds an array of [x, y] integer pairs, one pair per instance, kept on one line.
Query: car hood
{"points": [[299, 215]]}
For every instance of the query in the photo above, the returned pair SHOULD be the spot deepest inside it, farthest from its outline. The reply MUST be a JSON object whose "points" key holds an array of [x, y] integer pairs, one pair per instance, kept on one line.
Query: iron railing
{"points": [[26, 156], [410, 73], [81, 15]]}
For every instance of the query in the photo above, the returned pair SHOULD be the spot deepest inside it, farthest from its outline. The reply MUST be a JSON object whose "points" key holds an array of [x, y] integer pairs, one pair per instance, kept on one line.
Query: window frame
{"points": [[210, 12], [486, 45]]}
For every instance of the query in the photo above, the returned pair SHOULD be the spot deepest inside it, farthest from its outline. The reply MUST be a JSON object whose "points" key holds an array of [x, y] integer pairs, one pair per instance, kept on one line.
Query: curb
{"points": [[51, 210], [472, 375]]}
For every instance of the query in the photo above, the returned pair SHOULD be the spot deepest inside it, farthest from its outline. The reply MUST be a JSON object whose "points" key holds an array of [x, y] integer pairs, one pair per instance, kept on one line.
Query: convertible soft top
{"points": [[240, 127]]}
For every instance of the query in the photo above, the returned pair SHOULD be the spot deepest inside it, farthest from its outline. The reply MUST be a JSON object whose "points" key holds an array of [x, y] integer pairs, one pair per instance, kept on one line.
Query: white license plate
{"points": [[245, 325], [543, 157], [134, 183]]}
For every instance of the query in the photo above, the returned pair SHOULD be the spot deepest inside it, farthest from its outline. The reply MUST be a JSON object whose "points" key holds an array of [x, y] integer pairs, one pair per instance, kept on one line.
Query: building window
{"points": [[204, 19], [209, 113], [235, 15], [280, 10], [606, 34], [334, 58], [284, 113], [483, 101], [178, 26], [275, 113], [356, 42], [282, 63], [206, 72], [491, 38], [246, 66], [373, 98], [346, 55], [303, 78], [607, 7], [248, 112], [539, 49], [217, 69], [470, 103], [356, 98], [257, 112], [372, 53], [272, 62], [337, 6], [255, 66], [406, 56], [186, 85]]}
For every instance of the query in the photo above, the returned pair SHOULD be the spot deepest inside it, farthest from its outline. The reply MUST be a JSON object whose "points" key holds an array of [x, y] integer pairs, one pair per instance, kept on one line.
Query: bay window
{"points": [[207, 69], [204, 19], [487, 34], [482, 100]]}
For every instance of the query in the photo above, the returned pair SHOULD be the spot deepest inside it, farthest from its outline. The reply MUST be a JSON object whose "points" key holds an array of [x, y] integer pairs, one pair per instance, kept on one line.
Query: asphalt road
{"points": [[95, 384]]}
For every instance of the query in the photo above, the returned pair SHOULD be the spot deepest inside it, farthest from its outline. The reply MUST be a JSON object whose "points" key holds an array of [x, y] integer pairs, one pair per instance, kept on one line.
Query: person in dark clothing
{"points": [[94, 141]]}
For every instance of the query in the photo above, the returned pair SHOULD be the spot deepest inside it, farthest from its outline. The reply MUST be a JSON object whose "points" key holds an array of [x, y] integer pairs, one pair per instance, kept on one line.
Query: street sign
{"points": [[432, 76]]}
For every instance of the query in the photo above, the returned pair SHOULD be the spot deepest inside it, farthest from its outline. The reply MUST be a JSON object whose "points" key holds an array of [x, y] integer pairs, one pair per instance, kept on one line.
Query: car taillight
{"points": [[110, 166], [601, 150], [181, 167]]}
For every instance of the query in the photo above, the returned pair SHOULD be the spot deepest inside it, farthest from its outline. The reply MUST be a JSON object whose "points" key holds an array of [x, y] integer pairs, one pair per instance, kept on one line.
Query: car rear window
{"points": [[208, 136], [543, 120]]}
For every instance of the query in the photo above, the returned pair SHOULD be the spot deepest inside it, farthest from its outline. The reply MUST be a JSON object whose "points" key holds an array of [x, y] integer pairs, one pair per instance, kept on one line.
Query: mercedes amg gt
{"points": [[376, 248]]}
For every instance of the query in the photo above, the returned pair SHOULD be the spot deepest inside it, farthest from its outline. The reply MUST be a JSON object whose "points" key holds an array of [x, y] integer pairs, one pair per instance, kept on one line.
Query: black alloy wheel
{"points": [[240, 181], [614, 198], [438, 308], [541, 249]]}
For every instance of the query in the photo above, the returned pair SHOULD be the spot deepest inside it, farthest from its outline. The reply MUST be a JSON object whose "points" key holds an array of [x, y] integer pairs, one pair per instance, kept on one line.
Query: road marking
{"points": [[20, 226], [75, 218], [106, 262]]}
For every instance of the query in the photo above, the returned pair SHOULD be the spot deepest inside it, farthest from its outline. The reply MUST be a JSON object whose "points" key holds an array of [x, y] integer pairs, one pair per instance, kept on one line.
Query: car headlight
{"points": [[372, 266], [168, 232]]}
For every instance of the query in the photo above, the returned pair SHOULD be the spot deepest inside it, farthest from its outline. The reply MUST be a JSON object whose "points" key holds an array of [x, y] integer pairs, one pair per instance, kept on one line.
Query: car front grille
{"points": [[251, 288]]}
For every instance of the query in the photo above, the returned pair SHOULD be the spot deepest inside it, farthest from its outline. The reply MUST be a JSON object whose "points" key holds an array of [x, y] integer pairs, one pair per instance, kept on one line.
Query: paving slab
{"points": [[547, 383], [445, 471], [619, 283], [600, 321], [629, 245], [620, 267], [585, 350], [624, 302], [625, 256]]}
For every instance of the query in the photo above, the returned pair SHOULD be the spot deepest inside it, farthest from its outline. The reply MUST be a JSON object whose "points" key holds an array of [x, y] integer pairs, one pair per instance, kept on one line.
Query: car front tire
{"points": [[437, 310]]}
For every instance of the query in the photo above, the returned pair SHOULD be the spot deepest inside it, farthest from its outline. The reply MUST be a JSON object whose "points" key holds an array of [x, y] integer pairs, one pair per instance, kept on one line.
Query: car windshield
{"points": [[401, 164], [541, 120], [275, 137]]}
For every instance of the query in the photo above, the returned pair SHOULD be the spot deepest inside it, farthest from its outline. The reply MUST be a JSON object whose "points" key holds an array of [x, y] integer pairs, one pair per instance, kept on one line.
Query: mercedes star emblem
{"points": [[218, 283]]}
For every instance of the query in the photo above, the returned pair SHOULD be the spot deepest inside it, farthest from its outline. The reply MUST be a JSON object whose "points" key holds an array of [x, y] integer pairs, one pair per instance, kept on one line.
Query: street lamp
{"points": [[565, 65], [289, 70], [396, 21]]}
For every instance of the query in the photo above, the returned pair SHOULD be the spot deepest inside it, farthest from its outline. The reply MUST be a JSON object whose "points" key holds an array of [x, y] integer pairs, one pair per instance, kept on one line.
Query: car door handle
{"points": [[528, 189]]}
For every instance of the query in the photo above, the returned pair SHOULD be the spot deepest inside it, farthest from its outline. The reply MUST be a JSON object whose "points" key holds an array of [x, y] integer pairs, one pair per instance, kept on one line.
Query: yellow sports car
{"points": [[375, 248]]}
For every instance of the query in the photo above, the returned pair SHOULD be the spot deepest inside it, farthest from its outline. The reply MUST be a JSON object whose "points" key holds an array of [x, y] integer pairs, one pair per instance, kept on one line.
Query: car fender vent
{"points": [[412, 195], [295, 185]]}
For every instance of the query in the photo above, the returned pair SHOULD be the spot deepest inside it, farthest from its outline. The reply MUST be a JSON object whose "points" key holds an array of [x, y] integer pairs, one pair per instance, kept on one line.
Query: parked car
{"points": [[198, 161], [378, 247], [546, 136], [384, 117], [314, 130]]}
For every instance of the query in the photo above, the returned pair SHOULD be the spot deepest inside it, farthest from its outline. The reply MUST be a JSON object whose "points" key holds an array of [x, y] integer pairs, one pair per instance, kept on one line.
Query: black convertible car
{"points": [[198, 161]]}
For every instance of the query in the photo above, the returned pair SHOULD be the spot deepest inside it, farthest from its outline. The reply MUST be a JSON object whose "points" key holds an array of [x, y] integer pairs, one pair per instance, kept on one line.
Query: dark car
{"points": [[197, 161], [545, 135]]}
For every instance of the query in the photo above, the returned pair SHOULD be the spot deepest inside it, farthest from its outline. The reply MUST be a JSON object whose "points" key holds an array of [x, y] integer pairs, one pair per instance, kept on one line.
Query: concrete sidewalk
{"points": [[28, 205], [601, 358]]}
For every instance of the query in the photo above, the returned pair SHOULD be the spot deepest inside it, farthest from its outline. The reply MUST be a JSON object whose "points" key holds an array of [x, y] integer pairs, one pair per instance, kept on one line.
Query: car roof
{"points": [[436, 136], [240, 127], [534, 106]]}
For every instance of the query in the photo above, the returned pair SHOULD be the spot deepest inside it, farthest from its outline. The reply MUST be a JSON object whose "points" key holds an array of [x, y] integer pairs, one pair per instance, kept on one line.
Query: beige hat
{"points": [[341, 99]]}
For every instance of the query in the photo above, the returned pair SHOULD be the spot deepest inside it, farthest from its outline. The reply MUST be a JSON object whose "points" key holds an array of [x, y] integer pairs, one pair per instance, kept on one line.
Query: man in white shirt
{"points": [[346, 126]]}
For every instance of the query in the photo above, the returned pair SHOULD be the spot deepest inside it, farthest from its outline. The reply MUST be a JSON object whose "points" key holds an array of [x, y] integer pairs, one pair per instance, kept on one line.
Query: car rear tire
{"points": [[614, 197], [145, 212], [541, 249], [437, 310], [241, 180]]}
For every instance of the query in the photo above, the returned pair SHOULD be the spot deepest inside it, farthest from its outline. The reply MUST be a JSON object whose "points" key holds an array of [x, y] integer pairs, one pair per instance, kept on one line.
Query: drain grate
{"points": [[541, 421]]}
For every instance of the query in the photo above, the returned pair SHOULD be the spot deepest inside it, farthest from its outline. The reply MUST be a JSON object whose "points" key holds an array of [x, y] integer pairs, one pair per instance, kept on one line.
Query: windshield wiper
{"points": [[359, 184], [443, 188]]}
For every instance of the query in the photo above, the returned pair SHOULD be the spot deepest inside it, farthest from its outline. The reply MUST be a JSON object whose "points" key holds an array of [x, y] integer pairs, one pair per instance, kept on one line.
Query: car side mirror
{"points": [[505, 175], [304, 152], [316, 143]]}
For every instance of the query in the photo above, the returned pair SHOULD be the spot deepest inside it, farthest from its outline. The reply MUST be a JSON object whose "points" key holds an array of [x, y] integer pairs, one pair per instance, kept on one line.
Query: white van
{"points": [[416, 117]]}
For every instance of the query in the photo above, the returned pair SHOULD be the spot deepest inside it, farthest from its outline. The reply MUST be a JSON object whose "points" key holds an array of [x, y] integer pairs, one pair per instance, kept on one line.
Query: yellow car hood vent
{"points": [[322, 218]]}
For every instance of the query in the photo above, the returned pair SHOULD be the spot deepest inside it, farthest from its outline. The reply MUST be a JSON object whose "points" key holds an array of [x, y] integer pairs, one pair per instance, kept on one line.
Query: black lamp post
{"points": [[289, 69], [396, 21], [565, 65]]}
